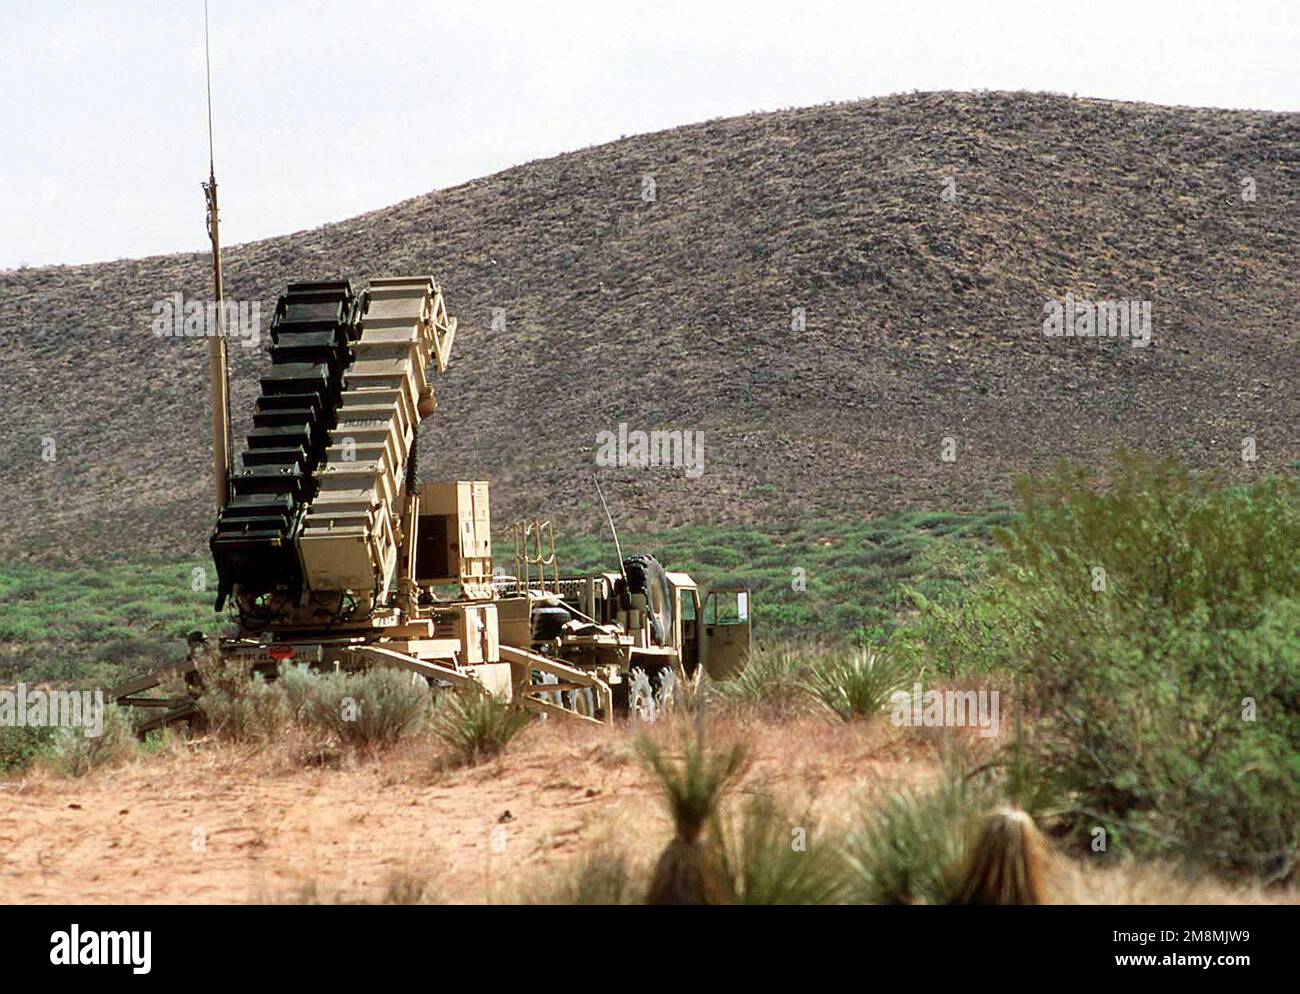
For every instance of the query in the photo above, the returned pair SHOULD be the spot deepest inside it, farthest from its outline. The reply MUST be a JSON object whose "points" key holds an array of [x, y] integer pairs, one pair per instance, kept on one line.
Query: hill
{"points": [[584, 303]]}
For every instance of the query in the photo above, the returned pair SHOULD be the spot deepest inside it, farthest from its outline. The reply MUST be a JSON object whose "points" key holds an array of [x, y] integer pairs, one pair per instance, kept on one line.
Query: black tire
{"points": [[646, 575], [547, 622]]}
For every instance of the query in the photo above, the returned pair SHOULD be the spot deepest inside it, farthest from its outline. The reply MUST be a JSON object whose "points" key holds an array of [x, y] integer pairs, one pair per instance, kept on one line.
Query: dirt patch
{"points": [[211, 823], [214, 823]]}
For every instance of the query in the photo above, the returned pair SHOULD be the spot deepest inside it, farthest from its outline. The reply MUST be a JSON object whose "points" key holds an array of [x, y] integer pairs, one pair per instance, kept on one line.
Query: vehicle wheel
{"points": [[581, 702], [547, 622], [646, 575]]}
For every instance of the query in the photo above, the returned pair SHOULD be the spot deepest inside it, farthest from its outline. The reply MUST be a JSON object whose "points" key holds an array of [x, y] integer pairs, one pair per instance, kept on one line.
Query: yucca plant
{"points": [[689, 872], [770, 857], [477, 726], [857, 684], [911, 848], [1006, 862], [772, 678]]}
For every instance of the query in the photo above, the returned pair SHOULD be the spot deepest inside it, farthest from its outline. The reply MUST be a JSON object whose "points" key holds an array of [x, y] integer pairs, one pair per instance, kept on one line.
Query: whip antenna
{"points": [[218, 370], [610, 518], [207, 65]]}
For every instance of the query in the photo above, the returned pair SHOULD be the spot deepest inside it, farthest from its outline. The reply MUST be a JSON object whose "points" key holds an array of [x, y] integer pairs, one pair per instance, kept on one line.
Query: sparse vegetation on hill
{"points": [[921, 320]]}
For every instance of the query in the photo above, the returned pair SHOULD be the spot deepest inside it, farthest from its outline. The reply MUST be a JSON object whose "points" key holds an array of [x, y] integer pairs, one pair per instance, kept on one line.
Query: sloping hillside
{"points": [[923, 320]]}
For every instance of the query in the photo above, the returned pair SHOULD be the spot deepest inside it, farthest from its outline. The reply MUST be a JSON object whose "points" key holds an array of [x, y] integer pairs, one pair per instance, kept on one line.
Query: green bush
{"points": [[20, 746], [371, 709], [77, 753], [1145, 619]]}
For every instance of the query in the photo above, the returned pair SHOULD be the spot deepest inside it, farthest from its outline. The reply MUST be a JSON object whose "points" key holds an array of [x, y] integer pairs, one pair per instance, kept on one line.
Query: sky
{"points": [[324, 110]]}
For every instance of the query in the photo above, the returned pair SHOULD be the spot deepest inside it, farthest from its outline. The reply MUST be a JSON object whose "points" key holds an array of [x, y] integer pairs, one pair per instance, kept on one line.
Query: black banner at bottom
{"points": [[143, 944]]}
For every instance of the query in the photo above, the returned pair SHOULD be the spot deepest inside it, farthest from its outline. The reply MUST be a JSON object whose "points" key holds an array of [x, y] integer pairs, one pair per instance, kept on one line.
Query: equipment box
{"points": [[454, 536]]}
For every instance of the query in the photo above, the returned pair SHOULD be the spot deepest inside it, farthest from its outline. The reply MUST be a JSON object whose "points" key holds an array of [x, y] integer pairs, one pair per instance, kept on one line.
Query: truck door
{"points": [[725, 633], [688, 617]]}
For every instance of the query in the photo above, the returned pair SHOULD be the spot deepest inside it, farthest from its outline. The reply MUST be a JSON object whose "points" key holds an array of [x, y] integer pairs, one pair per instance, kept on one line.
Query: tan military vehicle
{"points": [[330, 552]]}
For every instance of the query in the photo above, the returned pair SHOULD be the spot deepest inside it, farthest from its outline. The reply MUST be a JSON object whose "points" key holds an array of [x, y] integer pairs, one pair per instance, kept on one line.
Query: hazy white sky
{"points": [[328, 109]]}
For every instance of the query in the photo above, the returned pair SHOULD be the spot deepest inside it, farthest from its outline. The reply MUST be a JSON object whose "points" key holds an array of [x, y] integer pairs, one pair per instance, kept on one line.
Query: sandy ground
{"points": [[208, 822]]}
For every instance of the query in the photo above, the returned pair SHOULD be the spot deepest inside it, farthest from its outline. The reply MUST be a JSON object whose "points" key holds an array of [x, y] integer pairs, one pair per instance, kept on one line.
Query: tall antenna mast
{"points": [[218, 371], [610, 518]]}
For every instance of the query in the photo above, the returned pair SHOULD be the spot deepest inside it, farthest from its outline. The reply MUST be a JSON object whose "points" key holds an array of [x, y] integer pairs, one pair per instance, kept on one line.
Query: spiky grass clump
{"points": [[689, 872], [857, 684], [476, 726], [771, 681], [911, 848], [770, 857], [1006, 862]]}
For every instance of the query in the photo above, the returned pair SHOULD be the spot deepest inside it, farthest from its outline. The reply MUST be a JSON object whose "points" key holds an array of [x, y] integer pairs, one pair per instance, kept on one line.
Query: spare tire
{"points": [[547, 622], [646, 575]]}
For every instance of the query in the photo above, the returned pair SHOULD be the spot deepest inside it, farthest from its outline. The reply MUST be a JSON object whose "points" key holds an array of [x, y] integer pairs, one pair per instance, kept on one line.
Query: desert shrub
{"points": [[1154, 624], [239, 705], [772, 857], [910, 849], [407, 887], [76, 753], [370, 709], [688, 870], [20, 746], [1150, 733], [858, 682], [973, 636], [477, 726]]}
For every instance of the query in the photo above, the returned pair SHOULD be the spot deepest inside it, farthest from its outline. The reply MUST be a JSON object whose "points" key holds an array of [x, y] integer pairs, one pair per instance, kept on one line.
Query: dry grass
{"points": [[567, 815]]}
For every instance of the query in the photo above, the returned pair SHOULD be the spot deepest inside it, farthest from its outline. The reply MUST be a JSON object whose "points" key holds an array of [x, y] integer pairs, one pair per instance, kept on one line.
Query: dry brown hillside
{"points": [[923, 319]]}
